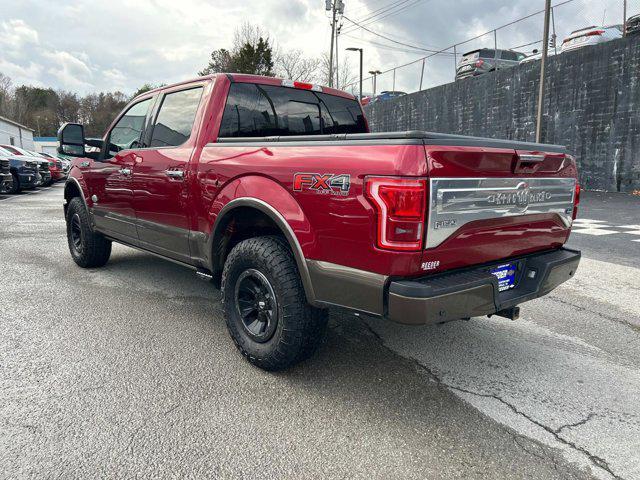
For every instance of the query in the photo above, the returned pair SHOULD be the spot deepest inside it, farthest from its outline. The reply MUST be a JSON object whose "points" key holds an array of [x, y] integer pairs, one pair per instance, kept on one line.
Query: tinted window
{"points": [[12, 150], [508, 55], [126, 133], [175, 120], [265, 110], [487, 53]]}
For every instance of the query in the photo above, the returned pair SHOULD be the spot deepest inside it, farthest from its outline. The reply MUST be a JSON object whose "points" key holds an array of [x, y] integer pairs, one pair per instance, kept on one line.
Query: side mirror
{"points": [[71, 140]]}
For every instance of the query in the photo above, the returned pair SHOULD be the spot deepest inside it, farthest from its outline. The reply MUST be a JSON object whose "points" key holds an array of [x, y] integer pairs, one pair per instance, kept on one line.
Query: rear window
{"points": [[265, 110], [487, 53], [508, 55], [12, 150]]}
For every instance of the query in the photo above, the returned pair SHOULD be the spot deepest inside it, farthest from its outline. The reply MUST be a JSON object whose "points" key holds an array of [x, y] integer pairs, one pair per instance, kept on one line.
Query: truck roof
{"points": [[247, 78]]}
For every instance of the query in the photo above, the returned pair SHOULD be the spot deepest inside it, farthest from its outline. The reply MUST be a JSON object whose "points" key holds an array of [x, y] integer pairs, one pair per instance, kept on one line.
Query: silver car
{"points": [[486, 60], [591, 36]]}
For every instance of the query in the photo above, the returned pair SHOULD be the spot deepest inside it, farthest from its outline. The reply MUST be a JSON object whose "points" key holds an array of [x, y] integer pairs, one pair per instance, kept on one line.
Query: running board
{"points": [[204, 275]]}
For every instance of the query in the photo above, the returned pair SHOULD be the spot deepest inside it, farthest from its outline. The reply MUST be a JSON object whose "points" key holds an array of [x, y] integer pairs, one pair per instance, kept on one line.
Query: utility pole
{"points": [[354, 49], [337, 60], [337, 8], [624, 13], [331, 6], [543, 64]]}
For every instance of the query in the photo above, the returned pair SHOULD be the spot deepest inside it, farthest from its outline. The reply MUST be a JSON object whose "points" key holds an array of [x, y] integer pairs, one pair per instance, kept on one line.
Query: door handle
{"points": [[125, 171], [174, 173]]}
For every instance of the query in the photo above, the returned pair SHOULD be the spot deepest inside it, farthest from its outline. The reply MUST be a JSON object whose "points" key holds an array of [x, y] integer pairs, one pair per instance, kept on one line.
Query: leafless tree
{"points": [[6, 95], [346, 72], [295, 66]]}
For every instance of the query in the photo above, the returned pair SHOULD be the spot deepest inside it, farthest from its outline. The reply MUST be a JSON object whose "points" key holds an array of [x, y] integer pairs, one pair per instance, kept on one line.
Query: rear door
{"points": [[160, 192], [109, 181]]}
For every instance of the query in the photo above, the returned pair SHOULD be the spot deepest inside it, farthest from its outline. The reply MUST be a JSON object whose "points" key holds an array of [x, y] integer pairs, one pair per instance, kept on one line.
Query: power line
{"points": [[444, 50], [381, 45], [387, 15], [387, 7], [395, 41]]}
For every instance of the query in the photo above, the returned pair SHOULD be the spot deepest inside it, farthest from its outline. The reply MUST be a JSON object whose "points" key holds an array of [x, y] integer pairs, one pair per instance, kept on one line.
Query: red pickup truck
{"points": [[277, 192]]}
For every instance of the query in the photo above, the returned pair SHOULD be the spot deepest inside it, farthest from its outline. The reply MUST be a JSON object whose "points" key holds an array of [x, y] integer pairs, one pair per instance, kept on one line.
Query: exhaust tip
{"points": [[512, 313]]}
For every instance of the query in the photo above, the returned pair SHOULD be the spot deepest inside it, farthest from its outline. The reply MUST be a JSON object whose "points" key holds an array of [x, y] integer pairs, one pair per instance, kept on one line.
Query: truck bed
{"points": [[412, 137]]}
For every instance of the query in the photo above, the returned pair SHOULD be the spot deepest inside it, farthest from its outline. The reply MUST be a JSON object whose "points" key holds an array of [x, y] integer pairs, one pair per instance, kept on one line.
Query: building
{"points": [[46, 145], [12, 133]]}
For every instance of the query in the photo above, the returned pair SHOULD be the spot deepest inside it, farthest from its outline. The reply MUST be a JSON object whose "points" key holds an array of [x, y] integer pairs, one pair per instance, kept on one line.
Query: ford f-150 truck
{"points": [[277, 192]]}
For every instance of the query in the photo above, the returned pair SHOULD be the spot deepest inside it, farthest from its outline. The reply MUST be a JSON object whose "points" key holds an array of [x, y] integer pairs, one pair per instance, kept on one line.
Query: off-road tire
{"points": [[299, 327], [15, 187], [93, 250]]}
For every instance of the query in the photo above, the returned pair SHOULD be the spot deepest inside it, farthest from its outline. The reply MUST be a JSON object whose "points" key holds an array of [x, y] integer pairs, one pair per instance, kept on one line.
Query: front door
{"points": [[110, 180], [160, 172]]}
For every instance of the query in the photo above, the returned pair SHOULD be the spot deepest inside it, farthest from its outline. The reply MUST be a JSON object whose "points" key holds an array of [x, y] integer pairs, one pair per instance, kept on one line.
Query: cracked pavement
{"points": [[128, 371], [566, 374]]}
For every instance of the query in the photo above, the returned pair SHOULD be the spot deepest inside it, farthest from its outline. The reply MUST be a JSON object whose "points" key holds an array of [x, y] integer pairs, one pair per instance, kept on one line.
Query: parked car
{"points": [[24, 171], [591, 36], [56, 167], [537, 55], [387, 95], [43, 174], [366, 100], [289, 205], [486, 60], [633, 25]]}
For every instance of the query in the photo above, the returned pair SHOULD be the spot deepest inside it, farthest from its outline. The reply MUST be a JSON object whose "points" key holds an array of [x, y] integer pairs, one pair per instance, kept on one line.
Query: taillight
{"points": [[576, 200], [301, 85], [479, 63], [400, 205], [594, 33]]}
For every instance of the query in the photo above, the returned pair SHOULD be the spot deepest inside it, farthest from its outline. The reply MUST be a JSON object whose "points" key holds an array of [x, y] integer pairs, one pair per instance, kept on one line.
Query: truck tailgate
{"points": [[488, 204]]}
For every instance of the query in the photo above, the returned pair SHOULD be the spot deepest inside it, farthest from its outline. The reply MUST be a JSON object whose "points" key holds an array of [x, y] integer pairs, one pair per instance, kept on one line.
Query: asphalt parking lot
{"points": [[128, 371]]}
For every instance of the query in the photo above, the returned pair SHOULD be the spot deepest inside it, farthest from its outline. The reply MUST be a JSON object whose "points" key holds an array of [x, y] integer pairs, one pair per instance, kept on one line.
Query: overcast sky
{"points": [[88, 46]]}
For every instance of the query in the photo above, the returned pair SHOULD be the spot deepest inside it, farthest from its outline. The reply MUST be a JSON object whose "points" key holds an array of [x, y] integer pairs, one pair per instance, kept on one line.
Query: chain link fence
{"points": [[523, 35]]}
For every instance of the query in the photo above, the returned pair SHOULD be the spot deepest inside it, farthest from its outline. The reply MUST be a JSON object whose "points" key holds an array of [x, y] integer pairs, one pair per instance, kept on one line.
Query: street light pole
{"points": [[353, 49], [543, 64]]}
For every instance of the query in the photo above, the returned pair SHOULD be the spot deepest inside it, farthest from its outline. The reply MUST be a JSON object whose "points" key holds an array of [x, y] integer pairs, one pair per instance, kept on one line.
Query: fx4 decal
{"points": [[323, 183]]}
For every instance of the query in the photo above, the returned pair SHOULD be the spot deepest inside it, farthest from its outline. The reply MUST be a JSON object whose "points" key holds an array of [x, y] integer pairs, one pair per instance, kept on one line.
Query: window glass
{"points": [[12, 150], [266, 110], [175, 120], [487, 53], [126, 133], [508, 55]]}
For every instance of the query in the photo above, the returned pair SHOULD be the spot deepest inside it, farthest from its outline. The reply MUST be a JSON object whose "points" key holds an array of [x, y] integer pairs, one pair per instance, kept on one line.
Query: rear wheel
{"points": [[88, 249], [265, 306]]}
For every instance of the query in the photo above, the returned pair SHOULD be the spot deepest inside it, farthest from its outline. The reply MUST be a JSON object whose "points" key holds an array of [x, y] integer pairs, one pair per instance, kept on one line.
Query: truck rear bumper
{"points": [[475, 292]]}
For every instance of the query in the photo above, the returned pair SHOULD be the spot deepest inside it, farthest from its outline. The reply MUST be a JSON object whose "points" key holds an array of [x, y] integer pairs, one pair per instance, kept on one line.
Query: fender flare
{"points": [[249, 197], [73, 180]]}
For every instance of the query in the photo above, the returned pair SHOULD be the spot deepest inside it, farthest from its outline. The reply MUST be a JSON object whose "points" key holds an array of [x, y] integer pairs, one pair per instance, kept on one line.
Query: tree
{"points": [[345, 73], [294, 66], [146, 88], [251, 53], [6, 96]]}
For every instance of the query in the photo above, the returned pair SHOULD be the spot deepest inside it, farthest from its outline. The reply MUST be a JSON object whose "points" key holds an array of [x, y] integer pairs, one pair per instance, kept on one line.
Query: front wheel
{"points": [[15, 186], [88, 249], [265, 307]]}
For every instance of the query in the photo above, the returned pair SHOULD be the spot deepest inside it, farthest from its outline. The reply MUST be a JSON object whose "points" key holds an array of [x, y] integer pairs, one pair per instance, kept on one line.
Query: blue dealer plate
{"points": [[506, 275]]}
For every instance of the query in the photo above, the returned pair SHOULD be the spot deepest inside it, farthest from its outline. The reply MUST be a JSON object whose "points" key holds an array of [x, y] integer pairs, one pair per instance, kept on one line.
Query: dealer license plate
{"points": [[506, 275]]}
